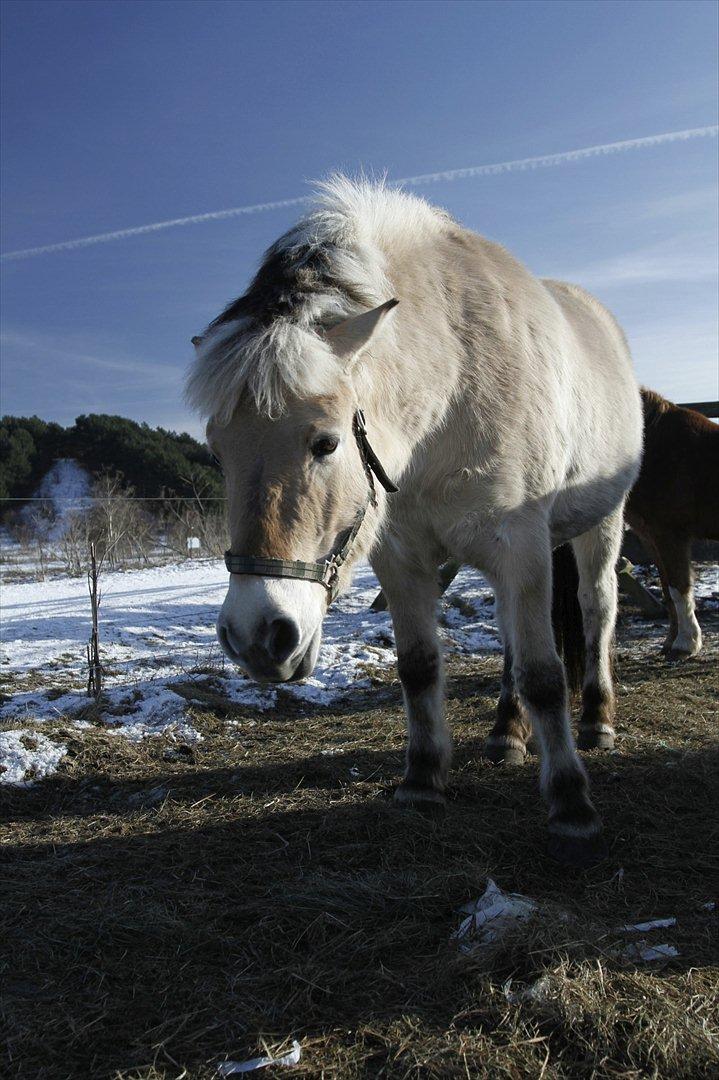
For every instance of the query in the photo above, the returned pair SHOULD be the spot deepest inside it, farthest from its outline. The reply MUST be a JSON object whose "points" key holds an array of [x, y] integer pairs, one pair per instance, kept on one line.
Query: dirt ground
{"points": [[166, 908]]}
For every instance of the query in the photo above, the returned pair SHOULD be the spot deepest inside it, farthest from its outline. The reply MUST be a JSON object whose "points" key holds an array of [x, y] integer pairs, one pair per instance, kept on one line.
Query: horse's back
{"points": [[537, 378], [606, 417], [603, 356]]}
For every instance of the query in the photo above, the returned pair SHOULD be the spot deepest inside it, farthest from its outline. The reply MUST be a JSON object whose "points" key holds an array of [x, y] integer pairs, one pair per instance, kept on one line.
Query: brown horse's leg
{"points": [[652, 548], [596, 553], [508, 738], [674, 561], [673, 629]]}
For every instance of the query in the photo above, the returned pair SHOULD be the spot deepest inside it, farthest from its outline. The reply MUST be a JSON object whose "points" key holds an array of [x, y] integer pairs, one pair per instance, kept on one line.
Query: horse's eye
{"points": [[325, 445], [217, 461]]}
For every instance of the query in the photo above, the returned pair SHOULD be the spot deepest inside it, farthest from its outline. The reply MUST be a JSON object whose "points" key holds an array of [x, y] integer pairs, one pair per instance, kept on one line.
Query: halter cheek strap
{"points": [[326, 572]]}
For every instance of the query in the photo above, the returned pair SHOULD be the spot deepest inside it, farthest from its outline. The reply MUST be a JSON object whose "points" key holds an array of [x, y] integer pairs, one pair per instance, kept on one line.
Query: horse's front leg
{"points": [[574, 825], [411, 590]]}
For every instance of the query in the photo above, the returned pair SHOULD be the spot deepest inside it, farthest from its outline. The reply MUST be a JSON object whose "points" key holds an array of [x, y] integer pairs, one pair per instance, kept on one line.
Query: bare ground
{"points": [[166, 908]]}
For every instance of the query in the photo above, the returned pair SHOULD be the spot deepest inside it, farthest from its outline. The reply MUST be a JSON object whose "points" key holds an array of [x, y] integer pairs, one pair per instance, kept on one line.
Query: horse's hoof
{"points": [[591, 739], [428, 801], [502, 752], [678, 656], [581, 852]]}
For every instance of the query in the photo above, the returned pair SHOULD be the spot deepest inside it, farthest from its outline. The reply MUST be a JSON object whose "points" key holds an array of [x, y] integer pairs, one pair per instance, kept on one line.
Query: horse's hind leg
{"points": [[574, 825], [507, 741], [596, 553], [411, 591], [674, 562], [652, 550]]}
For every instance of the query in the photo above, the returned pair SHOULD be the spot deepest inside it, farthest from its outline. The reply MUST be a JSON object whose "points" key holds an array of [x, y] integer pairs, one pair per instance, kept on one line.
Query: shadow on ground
{"points": [[166, 907], [292, 900]]}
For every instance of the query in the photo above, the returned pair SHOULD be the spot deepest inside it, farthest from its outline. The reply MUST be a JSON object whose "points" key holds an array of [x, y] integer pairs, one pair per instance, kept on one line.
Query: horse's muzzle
{"points": [[274, 656]]}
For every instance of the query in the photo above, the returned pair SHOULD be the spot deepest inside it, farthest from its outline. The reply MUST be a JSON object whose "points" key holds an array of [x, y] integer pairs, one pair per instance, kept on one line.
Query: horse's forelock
{"points": [[263, 364]]}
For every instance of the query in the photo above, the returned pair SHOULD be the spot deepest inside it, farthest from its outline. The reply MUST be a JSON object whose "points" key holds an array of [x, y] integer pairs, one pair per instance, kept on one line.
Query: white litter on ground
{"points": [[643, 927], [232, 1068], [649, 954], [492, 916], [26, 756], [537, 991]]}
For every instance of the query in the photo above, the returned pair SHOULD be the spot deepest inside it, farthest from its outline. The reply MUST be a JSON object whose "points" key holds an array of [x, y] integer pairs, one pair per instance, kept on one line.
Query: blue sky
{"points": [[123, 113]]}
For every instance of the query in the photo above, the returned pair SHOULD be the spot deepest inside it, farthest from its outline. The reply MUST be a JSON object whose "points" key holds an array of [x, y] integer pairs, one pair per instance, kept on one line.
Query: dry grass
{"points": [[167, 908]]}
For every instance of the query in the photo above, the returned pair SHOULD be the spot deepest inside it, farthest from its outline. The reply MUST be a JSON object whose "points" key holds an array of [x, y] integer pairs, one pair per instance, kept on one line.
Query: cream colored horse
{"points": [[504, 407]]}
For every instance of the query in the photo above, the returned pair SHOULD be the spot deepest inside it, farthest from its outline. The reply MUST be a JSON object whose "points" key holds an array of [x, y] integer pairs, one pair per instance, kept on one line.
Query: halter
{"points": [[325, 572]]}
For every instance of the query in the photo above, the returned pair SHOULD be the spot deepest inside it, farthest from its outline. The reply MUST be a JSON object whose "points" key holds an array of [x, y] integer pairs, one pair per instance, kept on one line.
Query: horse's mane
{"points": [[654, 405], [330, 265]]}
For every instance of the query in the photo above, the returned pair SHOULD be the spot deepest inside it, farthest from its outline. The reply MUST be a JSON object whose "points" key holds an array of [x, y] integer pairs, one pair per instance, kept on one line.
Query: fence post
{"points": [[94, 681], [633, 588]]}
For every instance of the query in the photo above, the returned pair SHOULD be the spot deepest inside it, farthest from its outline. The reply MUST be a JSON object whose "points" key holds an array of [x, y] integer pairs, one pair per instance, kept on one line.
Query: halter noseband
{"points": [[326, 572]]}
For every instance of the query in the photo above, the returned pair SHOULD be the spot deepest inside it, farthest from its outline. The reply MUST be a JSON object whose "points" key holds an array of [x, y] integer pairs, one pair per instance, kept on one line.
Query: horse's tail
{"points": [[567, 614]]}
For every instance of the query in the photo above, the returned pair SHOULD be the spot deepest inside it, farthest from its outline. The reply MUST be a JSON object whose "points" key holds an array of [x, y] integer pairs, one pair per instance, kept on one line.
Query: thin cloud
{"points": [[702, 200], [545, 161], [40, 346], [685, 257]]}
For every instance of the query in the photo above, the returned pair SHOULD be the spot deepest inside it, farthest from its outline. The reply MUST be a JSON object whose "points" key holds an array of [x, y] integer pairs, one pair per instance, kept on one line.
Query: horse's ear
{"points": [[352, 336], [197, 341]]}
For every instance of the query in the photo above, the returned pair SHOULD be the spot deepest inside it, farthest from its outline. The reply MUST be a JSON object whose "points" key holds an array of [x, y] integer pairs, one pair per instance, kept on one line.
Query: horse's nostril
{"points": [[282, 640], [228, 641]]}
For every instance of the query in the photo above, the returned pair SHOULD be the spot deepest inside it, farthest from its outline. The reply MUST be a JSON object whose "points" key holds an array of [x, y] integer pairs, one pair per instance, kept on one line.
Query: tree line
{"points": [[155, 463]]}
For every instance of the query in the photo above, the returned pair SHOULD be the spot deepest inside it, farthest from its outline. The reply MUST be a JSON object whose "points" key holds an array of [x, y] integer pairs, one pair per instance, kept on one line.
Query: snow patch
{"points": [[152, 710], [65, 491], [26, 756], [706, 584]]}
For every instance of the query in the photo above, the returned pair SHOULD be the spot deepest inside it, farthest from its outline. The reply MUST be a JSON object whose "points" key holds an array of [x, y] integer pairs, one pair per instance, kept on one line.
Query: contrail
{"points": [[545, 161], [548, 160]]}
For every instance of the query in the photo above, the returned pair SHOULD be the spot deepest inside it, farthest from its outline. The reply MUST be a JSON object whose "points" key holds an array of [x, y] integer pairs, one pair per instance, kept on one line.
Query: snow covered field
{"points": [[157, 629]]}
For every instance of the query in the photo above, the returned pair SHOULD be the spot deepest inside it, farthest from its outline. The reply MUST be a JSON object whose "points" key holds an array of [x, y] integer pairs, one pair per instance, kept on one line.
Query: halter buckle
{"points": [[332, 569]]}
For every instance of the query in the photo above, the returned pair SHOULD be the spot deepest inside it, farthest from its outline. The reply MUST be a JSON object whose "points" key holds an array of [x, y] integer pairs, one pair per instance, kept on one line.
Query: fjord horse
{"points": [[503, 407]]}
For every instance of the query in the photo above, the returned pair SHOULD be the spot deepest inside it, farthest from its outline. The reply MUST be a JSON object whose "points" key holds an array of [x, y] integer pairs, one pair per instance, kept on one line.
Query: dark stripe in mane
{"points": [[288, 278]]}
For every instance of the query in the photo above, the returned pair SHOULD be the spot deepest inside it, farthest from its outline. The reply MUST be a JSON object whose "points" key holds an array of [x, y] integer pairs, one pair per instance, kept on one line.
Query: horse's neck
{"points": [[404, 405]]}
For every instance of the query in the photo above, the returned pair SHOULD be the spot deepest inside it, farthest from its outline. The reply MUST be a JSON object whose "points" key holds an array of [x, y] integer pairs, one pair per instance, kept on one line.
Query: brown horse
{"points": [[674, 501]]}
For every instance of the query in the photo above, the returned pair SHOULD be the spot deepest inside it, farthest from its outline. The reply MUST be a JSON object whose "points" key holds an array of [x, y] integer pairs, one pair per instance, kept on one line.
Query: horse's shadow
{"points": [[300, 871], [307, 873]]}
